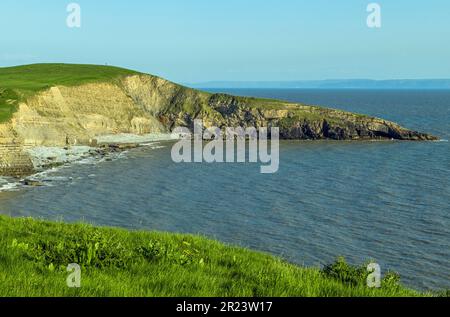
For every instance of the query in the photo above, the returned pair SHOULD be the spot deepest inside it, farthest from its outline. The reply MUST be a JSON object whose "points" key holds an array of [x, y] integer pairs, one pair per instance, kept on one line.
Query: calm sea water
{"points": [[388, 201]]}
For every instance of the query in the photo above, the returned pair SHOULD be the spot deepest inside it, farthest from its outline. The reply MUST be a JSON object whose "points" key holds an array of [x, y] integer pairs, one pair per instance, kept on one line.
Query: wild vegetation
{"points": [[34, 256]]}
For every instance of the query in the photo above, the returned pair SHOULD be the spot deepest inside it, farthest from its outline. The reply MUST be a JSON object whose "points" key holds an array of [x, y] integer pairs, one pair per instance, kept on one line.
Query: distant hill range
{"points": [[332, 84]]}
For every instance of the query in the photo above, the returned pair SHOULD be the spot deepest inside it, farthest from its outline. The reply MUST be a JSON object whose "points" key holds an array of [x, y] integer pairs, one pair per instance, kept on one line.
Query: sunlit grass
{"points": [[115, 262], [19, 82]]}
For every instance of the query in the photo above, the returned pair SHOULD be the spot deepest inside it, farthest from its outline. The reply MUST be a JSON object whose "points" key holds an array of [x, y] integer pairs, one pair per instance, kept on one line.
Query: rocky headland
{"points": [[76, 105]]}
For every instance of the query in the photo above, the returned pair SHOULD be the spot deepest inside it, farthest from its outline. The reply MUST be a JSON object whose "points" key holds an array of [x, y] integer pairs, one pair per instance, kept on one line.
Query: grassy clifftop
{"points": [[34, 256], [19, 82], [32, 78]]}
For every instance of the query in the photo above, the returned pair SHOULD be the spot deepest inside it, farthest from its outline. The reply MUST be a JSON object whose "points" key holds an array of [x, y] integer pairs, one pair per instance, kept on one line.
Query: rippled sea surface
{"points": [[387, 201]]}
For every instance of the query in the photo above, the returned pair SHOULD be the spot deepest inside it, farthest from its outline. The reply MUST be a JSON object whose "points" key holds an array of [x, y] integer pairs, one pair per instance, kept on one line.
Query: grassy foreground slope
{"points": [[34, 256]]}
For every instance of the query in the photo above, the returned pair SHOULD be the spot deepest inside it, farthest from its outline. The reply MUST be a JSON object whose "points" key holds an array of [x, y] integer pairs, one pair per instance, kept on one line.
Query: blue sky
{"points": [[203, 40]]}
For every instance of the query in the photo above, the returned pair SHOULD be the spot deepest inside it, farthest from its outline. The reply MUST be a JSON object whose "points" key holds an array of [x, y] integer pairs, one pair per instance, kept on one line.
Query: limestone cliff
{"points": [[140, 103]]}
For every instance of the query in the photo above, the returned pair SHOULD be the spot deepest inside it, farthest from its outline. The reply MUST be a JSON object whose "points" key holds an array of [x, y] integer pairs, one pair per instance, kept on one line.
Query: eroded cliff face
{"points": [[80, 114], [13, 159], [142, 104], [70, 115]]}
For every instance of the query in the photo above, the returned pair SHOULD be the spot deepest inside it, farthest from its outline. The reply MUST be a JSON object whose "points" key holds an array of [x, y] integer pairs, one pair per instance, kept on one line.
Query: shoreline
{"points": [[101, 166], [47, 158], [108, 147]]}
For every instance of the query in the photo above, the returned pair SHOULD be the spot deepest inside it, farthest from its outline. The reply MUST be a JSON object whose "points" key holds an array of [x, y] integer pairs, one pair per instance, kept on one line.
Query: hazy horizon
{"points": [[328, 84]]}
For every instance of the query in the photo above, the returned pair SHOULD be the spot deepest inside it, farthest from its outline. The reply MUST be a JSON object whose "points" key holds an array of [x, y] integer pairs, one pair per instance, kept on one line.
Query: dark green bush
{"points": [[184, 253], [93, 250], [153, 251], [346, 273], [357, 275]]}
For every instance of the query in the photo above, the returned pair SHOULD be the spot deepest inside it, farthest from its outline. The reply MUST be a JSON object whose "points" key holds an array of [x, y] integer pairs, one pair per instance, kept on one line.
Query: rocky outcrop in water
{"points": [[296, 121]]}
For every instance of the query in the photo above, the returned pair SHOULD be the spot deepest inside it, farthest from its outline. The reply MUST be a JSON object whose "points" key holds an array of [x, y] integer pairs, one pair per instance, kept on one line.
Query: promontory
{"points": [[60, 104]]}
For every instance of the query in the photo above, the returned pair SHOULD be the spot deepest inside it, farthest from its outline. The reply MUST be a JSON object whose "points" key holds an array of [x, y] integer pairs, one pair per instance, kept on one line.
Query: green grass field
{"points": [[34, 256], [20, 82]]}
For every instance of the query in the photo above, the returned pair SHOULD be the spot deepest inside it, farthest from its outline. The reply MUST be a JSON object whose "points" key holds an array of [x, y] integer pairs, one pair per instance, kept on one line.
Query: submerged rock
{"points": [[32, 182]]}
